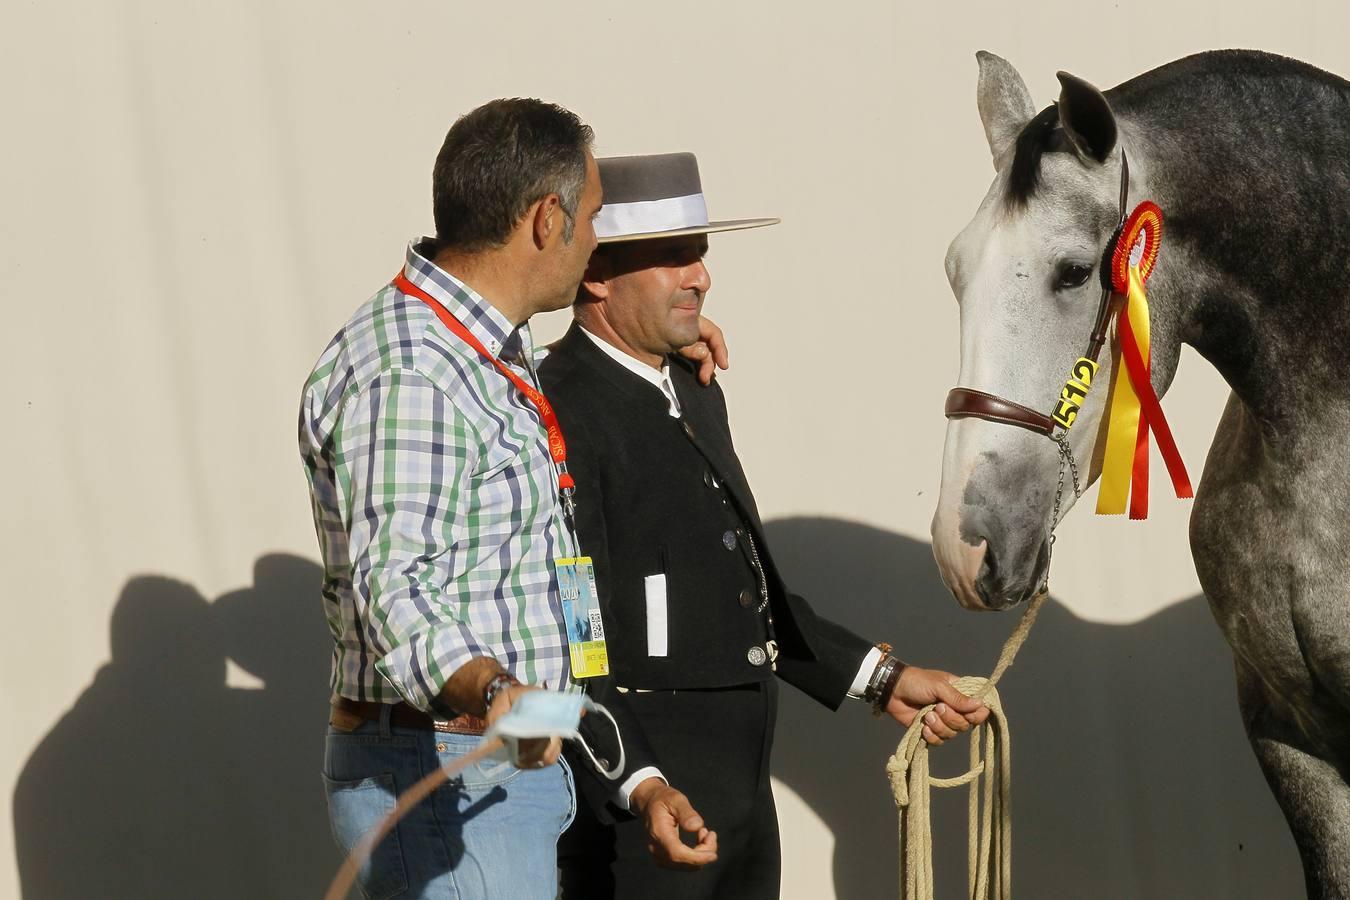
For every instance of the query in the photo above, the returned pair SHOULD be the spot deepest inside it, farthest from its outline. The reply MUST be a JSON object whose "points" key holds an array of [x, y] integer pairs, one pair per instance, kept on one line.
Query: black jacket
{"points": [[658, 495]]}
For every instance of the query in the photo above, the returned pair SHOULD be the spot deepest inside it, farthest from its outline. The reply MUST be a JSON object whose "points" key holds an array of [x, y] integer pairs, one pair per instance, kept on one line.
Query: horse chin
{"points": [[999, 589], [978, 588], [1001, 602]]}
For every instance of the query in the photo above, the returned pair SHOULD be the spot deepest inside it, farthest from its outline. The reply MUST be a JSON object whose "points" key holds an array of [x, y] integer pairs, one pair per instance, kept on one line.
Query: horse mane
{"points": [[1033, 141], [1167, 89], [1248, 154]]}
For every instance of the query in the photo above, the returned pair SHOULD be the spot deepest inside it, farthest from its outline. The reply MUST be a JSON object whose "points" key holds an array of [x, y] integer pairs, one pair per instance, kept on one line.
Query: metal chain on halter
{"points": [[1065, 460]]}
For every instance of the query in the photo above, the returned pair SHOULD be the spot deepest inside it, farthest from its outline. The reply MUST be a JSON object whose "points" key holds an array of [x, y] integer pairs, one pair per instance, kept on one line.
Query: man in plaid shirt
{"points": [[435, 501]]}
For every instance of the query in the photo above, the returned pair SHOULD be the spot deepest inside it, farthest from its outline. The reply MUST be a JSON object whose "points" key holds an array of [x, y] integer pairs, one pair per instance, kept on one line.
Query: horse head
{"points": [[1026, 273]]}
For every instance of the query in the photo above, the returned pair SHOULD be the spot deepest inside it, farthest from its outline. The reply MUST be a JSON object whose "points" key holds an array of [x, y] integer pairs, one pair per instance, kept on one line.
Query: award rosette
{"points": [[1134, 408], [1137, 247]]}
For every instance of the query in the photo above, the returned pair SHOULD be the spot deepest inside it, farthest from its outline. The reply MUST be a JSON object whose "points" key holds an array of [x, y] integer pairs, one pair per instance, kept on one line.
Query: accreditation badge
{"points": [[581, 612]]}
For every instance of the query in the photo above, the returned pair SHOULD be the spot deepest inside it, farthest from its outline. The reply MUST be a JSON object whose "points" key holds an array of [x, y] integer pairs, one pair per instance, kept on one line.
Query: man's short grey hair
{"points": [[497, 162]]}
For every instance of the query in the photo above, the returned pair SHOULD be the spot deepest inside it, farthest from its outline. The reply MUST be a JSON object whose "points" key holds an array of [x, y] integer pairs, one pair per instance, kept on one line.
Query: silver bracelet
{"points": [[880, 675], [894, 669]]}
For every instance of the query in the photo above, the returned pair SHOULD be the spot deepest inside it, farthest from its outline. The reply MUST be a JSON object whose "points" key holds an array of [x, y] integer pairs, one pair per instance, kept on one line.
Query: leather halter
{"points": [[968, 403]]}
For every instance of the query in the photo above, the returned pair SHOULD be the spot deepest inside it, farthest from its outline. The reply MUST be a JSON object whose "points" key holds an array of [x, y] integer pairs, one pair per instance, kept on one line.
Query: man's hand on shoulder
{"points": [[710, 351], [665, 811]]}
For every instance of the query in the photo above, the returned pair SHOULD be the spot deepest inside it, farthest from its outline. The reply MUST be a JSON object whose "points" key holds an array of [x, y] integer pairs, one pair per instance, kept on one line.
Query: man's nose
{"points": [[697, 278]]}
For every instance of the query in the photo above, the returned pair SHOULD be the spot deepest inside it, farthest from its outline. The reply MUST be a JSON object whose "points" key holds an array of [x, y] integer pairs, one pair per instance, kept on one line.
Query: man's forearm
{"points": [[464, 691]]}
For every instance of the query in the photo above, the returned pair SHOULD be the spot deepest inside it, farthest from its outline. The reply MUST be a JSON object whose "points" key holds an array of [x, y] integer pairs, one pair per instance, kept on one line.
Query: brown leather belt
{"points": [[406, 716]]}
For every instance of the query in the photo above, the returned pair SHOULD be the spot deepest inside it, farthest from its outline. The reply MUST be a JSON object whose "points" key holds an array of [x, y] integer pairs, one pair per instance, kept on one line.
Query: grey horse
{"points": [[1248, 154]]}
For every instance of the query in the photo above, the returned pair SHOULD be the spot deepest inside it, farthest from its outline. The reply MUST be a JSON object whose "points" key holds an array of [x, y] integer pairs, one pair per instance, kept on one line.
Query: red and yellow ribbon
{"points": [[1134, 409]]}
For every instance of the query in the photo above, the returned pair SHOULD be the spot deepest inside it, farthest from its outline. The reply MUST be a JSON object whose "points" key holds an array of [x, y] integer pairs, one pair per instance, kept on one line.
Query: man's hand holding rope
{"points": [[953, 713]]}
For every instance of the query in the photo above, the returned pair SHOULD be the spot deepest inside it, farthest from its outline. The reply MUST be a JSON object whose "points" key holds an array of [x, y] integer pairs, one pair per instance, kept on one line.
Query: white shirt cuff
{"points": [[625, 794], [864, 675]]}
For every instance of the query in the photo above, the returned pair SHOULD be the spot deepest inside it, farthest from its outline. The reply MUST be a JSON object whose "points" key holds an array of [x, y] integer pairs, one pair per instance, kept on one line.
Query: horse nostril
{"points": [[988, 584], [989, 572]]}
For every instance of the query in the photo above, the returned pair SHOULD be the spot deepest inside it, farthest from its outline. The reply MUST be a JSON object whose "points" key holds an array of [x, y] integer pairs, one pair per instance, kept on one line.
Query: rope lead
{"points": [[989, 854]]}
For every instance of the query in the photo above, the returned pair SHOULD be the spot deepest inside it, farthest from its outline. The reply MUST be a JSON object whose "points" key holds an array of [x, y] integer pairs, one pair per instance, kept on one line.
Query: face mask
{"points": [[547, 714]]}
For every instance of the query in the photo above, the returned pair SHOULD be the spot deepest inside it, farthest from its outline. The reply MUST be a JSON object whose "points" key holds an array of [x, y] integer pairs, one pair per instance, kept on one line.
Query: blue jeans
{"points": [[490, 832]]}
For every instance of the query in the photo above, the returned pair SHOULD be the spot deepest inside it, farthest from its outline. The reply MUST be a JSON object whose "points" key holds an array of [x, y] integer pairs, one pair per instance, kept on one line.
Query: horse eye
{"points": [[1073, 275]]}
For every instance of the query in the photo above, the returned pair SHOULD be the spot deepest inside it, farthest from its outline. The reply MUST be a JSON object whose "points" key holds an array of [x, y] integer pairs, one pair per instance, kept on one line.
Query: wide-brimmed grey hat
{"points": [[656, 196]]}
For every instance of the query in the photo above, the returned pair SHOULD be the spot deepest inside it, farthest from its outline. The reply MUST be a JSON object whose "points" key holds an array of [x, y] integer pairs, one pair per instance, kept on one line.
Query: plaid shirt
{"points": [[435, 498]]}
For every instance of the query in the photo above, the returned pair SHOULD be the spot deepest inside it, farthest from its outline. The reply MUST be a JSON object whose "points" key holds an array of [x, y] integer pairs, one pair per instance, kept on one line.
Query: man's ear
{"points": [[596, 280], [597, 289], [547, 216]]}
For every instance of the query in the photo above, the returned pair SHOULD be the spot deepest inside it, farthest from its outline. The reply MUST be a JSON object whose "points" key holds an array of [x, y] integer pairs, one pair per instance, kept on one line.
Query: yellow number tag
{"points": [[1074, 392]]}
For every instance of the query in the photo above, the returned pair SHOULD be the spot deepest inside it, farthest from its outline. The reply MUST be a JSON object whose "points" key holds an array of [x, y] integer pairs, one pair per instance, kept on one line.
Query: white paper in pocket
{"points": [[656, 614]]}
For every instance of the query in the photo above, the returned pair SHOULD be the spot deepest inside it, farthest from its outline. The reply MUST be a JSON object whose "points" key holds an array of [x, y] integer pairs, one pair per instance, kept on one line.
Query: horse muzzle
{"points": [[989, 563]]}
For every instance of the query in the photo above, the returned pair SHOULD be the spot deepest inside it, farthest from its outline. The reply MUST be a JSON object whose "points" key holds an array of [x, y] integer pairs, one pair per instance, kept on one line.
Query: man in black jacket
{"points": [[697, 619]]}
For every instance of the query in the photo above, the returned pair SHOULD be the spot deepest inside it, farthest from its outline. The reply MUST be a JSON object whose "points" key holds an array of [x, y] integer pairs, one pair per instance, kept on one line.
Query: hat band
{"points": [[647, 216]]}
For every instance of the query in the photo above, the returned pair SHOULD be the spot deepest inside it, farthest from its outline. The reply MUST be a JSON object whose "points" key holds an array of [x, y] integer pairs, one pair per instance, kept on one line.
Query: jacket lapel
{"points": [[711, 434], [582, 349], [700, 415]]}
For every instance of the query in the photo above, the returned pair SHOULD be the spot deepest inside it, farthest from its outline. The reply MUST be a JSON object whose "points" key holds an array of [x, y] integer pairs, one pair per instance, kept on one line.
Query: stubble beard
{"points": [[684, 325]]}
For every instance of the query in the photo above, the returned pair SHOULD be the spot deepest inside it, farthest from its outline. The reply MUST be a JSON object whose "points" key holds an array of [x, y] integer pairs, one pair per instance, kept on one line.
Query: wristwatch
{"points": [[874, 682], [500, 682]]}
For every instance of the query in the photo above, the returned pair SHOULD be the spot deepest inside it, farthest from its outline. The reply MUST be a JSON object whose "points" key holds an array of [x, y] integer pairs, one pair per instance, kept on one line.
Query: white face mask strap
{"points": [[613, 773]]}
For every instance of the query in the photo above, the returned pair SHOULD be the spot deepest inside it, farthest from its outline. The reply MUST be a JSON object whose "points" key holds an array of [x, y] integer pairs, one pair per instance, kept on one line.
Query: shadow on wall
{"points": [[1132, 776], [163, 782]]}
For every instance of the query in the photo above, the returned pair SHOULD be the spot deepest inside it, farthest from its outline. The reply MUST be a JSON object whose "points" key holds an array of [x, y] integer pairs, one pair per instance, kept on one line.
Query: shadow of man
{"points": [[161, 781], [1132, 776], [275, 631]]}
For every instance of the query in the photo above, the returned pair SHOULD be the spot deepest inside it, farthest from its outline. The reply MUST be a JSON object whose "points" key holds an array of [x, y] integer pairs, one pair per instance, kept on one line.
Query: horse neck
{"points": [[1256, 242]]}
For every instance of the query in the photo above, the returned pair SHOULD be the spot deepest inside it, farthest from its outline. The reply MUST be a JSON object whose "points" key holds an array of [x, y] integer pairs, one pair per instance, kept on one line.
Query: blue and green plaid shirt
{"points": [[435, 498]]}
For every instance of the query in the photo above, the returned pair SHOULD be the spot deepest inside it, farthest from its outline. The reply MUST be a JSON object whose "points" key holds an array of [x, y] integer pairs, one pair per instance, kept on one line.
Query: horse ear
{"points": [[1004, 102], [1086, 117]]}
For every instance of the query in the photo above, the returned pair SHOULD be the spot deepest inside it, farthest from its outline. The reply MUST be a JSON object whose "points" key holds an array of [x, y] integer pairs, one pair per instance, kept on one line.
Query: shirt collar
{"points": [[658, 378], [484, 321]]}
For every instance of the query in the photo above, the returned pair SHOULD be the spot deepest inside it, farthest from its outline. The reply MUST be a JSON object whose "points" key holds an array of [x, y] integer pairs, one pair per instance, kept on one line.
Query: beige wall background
{"points": [[196, 195]]}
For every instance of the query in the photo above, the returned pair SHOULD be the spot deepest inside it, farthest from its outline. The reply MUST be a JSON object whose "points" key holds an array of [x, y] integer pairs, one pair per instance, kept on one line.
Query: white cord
{"points": [[611, 774]]}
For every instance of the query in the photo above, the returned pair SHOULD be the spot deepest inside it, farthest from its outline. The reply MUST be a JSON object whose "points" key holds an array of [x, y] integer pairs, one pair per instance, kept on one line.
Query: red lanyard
{"points": [[557, 447]]}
